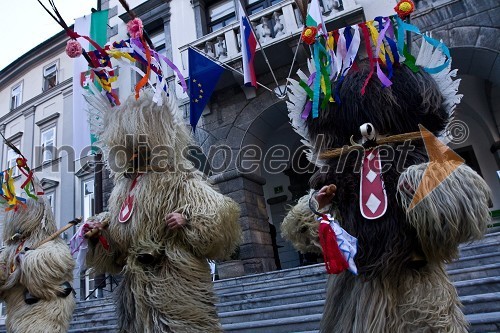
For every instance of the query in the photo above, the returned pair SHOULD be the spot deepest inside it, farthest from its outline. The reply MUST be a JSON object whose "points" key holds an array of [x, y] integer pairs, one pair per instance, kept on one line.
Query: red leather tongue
{"points": [[127, 207], [372, 196]]}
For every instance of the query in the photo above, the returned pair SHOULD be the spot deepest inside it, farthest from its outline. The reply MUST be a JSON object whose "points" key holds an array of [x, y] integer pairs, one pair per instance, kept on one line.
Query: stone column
{"points": [[2, 149], [67, 165], [168, 38], [28, 140], [256, 250], [199, 17]]}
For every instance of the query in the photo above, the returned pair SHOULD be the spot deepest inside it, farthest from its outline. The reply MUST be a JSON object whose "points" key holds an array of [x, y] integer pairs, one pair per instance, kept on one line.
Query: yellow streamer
{"points": [[374, 35]]}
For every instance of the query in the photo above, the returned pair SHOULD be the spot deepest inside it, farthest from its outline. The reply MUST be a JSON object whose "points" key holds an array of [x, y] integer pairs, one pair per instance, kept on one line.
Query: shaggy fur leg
{"points": [[421, 300], [146, 303]]}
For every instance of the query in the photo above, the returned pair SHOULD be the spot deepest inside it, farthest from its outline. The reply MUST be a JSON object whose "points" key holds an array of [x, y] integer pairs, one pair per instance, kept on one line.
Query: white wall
{"points": [[374, 8], [474, 111]]}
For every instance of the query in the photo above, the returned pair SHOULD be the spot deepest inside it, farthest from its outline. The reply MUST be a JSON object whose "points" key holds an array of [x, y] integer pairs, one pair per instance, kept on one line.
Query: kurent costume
{"points": [[35, 279], [402, 247], [166, 284]]}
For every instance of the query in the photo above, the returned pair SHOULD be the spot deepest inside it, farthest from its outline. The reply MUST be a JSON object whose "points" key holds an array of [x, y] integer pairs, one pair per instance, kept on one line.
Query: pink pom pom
{"points": [[73, 48], [134, 28]]}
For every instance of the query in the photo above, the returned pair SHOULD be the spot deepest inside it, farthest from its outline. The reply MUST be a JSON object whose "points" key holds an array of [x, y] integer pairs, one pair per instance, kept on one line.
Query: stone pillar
{"points": [[67, 165], [28, 140], [168, 38], [256, 250], [2, 149], [199, 17]]}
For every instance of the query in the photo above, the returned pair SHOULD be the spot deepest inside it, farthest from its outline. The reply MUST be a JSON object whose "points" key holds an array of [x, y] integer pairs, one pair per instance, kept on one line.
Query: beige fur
{"points": [[415, 301], [41, 271], [301, 227], [455, 212], [174, 294]]}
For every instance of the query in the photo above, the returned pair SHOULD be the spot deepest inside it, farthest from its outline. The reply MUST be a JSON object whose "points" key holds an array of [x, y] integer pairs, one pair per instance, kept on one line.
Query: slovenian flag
{"points": [[95, 26], [315, 17], [248, 46]]}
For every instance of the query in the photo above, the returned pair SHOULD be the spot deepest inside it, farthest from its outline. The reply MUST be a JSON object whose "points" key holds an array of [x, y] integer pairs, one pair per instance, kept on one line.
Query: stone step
{"points": [[282, 325], [94, 324], [287, 298], [482, 247], [95, 301], [94, 328], [481, 303], [478, 286], [476, 272], [277, 290], [484, 322], [474, 261], [90, 305], [297, 271], [95, 313], [272, 312], [288, 280]]}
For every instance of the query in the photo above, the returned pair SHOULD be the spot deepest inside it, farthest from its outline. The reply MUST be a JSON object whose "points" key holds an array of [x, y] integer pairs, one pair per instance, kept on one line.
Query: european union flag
{"points": [[203, 77]]}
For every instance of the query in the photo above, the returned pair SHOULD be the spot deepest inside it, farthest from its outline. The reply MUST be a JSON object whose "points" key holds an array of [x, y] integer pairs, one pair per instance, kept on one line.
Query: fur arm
{"points": [[44, 269], [213, 230], [100, 259], [453, 212], [301, 227]]}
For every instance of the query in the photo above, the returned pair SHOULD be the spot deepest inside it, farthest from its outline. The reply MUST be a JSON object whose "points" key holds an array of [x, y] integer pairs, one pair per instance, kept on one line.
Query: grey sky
{"points": [[26, 24]]}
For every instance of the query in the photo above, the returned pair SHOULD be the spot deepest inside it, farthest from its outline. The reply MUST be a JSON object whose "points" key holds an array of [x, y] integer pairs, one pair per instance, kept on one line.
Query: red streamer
{"points": [[335, 262]]}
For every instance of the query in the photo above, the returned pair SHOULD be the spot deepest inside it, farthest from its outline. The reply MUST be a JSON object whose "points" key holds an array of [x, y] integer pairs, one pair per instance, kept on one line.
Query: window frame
{"points": [[51, 196], [91, 199], [51, 127], [233, 16], [224, 20], [19, 96], [16, 172], [46, 77], [252, 8]]}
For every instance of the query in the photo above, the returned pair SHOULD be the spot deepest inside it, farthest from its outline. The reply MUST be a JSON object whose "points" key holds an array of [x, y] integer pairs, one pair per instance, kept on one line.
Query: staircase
{"points": [[292, 300], [476, 275]]}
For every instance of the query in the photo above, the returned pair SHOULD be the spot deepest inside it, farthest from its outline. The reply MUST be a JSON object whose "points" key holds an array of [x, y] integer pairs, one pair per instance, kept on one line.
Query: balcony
{"points": [[277, 27]]}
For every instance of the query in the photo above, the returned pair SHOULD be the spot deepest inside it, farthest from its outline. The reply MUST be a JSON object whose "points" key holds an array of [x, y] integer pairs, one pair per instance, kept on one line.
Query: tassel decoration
{"points": [[334, 260]]}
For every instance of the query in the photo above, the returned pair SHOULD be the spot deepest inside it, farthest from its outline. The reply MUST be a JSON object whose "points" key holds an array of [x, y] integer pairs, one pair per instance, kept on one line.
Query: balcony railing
{"points": [[272, 25]]}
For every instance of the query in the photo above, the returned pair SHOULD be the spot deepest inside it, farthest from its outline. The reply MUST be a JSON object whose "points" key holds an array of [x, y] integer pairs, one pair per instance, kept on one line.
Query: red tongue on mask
{"points": [[372, 196]]}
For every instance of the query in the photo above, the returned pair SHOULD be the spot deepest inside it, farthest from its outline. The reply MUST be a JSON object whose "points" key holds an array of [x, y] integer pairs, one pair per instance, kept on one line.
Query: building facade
{"points": [[247, 146], [251, 151]]}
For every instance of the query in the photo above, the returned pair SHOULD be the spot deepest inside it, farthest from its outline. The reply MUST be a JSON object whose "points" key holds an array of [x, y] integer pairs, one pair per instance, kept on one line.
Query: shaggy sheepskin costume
{"points": [[170, 291], [41, 272], [402, 284]]}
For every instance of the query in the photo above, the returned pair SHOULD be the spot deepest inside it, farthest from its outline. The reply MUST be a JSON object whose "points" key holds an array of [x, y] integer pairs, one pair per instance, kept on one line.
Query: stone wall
{"points": [[460, 23]]}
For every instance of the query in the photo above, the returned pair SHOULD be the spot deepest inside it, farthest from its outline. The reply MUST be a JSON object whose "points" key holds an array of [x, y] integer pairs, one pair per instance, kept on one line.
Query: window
{"points": [[88, 199], [16, 96], [11, 160], [51, 198], [255, 6], [220, 14], [3, 310], [50, 76], [48, 142], [158, 40]]}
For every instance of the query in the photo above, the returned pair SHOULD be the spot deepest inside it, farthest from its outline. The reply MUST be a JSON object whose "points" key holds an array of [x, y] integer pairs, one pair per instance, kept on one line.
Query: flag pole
{"points": [[220, 63], [261, 48], [299, 43]]}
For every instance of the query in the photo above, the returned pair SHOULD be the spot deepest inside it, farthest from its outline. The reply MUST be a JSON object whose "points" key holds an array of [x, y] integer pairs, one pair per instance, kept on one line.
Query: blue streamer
{"points": [[403, 27]]}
